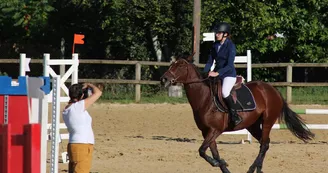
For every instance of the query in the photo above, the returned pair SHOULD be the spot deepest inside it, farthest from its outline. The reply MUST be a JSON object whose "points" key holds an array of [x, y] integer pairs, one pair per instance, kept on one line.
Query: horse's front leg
{"points": [[215, 153], [209, 139]]}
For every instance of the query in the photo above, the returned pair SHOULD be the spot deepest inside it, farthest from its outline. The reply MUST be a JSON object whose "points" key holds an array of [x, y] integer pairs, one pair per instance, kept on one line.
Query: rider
{"points": [[223, 52]]}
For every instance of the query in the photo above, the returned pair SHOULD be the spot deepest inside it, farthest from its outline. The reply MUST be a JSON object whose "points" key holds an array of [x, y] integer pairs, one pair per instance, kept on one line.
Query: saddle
{"points": [[241, 94]]}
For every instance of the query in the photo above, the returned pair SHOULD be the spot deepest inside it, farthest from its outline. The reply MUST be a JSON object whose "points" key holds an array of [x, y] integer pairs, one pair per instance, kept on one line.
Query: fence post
{"points": [[138, 78], [249, 66], [75, 73], [22, 70], [289, 79], [46, 58]]}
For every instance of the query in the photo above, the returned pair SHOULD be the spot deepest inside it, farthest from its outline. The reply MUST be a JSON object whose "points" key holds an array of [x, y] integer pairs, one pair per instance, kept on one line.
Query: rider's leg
{"points": [[227, 85]]}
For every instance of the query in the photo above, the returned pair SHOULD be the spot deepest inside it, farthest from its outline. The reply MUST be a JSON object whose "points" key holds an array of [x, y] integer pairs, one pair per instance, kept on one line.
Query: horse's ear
{"points": [[173, 59], [191, 58]]}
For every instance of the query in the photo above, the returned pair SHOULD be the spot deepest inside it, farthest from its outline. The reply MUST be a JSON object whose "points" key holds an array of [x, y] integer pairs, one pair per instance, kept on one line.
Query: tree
{"points": [[141, 29], [302, 23]]}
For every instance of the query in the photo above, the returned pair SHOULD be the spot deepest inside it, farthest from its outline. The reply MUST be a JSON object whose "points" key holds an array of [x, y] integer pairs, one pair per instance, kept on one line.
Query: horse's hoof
{"points": [[226, 171], [259, 170], [224, 163], [250, 171]]}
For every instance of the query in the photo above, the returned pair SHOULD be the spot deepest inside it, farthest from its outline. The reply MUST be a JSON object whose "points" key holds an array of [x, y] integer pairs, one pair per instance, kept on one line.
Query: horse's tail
{"points": [[295, 123]]}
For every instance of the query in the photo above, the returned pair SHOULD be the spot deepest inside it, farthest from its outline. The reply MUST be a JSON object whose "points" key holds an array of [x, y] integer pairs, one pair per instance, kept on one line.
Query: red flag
{"points": [[78, 39]]}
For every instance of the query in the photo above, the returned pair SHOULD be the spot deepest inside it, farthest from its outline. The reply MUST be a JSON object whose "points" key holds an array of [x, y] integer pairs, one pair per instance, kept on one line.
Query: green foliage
{"points": [[116, 93], [125, 28], [156, 94], [303, 24], [128, 29], [307, 95], [3, 74], [30, 15]]}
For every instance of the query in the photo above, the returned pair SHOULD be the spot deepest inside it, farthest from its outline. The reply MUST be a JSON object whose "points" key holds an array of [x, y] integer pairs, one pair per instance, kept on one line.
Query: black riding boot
{"points": [[232, 111]]}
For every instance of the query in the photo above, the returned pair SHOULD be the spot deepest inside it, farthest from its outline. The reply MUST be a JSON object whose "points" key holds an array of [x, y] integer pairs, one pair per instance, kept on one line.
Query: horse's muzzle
{"points": [[165, 81]]}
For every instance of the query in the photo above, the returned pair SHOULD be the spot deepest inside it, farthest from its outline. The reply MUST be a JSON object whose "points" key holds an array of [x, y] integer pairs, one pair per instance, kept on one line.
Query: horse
{"points": [[270, 106]]}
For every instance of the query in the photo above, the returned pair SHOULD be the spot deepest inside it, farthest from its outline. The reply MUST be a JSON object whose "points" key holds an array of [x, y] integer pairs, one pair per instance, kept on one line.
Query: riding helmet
{"points": [[222, 27]]}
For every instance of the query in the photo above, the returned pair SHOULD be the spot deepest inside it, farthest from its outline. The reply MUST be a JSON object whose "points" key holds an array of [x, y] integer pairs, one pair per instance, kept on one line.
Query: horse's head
{"points": [[178, 71]]}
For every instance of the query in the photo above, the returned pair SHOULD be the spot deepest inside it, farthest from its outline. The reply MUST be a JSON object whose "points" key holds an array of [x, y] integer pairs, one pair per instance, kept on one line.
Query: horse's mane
{"points": [[186, 56]]}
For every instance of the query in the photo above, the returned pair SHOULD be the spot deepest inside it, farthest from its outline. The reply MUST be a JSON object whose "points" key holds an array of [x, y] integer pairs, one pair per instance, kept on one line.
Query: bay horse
{"points": [[270, 106]]}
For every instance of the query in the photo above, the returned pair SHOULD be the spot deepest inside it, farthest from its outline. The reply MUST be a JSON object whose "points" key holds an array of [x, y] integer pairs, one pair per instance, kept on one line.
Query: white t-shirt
{"points": [[79, 123]]}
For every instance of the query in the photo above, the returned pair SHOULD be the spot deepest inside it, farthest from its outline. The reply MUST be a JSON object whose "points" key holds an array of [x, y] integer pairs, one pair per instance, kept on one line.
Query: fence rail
{"points": [[149, 82], [127, 62], [138, 82]]}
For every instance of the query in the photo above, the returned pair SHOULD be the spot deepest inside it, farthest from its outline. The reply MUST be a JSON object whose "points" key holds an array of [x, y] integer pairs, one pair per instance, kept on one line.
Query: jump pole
{"points": [[312, 111], [310, 126]]}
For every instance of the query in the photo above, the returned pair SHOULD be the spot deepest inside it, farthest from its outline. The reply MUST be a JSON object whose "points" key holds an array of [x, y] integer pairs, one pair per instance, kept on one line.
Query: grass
{"points": [[162, 97], [126, 98], [300, 95], [307, 95]]}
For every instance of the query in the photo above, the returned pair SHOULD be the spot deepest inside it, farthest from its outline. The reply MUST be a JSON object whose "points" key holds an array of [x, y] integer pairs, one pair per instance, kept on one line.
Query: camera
{"points": [[86, 92]]}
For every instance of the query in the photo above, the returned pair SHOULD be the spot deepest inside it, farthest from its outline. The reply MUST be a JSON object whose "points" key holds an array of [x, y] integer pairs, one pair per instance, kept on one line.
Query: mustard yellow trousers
{"points": [[80, 158]]}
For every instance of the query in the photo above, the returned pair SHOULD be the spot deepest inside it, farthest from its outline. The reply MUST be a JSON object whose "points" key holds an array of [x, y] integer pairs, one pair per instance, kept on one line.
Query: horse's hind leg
{"points": [[263, 136], [258, 163], [255, 129]]}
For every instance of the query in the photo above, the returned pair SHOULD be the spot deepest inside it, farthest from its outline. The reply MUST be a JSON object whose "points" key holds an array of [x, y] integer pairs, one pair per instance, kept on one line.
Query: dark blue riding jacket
{"points": [[224, 59]]}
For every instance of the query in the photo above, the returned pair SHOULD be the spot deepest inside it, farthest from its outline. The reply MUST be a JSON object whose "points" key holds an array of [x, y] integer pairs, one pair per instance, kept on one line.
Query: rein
{"points": [[174, 80], [190, 82]]}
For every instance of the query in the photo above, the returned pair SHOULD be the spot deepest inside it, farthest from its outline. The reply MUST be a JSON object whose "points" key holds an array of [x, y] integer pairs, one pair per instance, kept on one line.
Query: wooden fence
{"points": [[138, 82]]}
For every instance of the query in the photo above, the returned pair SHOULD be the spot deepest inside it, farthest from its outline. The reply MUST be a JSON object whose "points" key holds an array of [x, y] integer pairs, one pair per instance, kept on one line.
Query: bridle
{"points": [[175, 79]]}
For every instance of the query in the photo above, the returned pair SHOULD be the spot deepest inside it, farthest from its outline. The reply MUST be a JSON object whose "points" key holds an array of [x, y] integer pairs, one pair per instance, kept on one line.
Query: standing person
{"points": [[223, 52], [79, 126]]}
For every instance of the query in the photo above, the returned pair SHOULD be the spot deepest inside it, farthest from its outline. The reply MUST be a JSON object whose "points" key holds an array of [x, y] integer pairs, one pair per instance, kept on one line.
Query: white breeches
{"points": [[228, 83]]}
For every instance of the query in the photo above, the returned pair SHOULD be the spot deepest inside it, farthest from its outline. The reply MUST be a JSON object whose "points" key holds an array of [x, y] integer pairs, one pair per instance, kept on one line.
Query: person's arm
{"points": [[209, 63], [96, 93], [231, 60]]}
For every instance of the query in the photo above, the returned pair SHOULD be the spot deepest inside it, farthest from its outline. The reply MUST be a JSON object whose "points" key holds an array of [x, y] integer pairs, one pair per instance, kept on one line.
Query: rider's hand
{"points": [[85, 85], [213, 74]]}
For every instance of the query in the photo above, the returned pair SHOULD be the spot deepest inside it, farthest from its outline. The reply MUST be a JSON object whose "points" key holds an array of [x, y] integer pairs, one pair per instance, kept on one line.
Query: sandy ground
{"points": [[163, 138]]}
